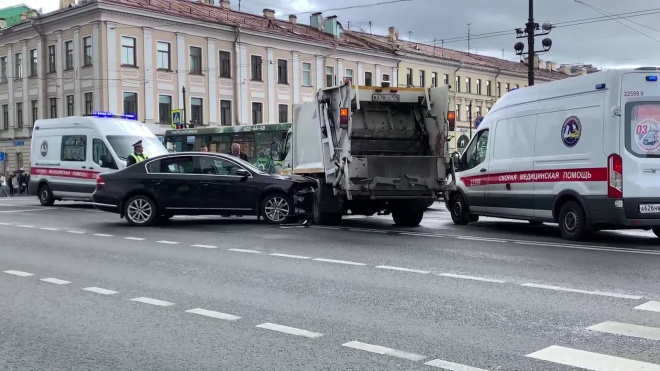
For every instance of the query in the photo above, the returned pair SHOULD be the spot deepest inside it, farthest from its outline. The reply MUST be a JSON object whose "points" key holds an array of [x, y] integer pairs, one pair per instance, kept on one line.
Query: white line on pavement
{"points": [[600, 293], [134, 238], [214, 314], [367, 230], [99, 290], [6, 223], [402, 269], [290, 330], [337, 261], [49, 229], [24, 226], [168, 242], [618, 328], [471, 238], [76, 232], [157, 302], [653, 306], [21, 211], [290, 256], [587, 247], [55, 281], [451, 366], [474, 278], [205, 246], [383, 350], [102, 235], [421, 234], [590, 361], [245, 250], [19, 273]]}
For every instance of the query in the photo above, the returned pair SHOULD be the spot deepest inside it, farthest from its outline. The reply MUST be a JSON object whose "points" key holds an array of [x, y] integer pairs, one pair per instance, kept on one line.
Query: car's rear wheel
{"points": [[277, 208], [459, 211], [572, 221], [45, 195], [140, 210], [657, 231]]}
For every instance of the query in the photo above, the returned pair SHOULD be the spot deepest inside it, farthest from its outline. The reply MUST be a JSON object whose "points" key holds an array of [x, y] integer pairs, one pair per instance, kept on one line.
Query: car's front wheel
{"points": [[140, 210], [277, 208]]}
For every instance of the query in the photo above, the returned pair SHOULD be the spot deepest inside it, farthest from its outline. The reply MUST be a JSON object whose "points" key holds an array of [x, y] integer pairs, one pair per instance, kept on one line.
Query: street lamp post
{"points": [[183, 91], [529, 32], [470, 117]]}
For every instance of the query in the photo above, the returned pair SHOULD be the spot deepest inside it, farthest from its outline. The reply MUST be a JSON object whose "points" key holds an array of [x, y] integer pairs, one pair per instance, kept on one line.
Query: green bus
{"points": [[257, 142]]}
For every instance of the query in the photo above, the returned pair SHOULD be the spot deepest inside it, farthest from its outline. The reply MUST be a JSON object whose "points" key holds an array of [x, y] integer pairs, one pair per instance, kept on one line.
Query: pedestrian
{"points": [[14, 184], [22, 183], [236, 151], [137, 155], [205, 148], [3, 185]]}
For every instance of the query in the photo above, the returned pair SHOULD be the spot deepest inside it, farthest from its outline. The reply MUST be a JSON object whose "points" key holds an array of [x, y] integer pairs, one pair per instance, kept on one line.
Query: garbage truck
{"points": [[373, 150]]}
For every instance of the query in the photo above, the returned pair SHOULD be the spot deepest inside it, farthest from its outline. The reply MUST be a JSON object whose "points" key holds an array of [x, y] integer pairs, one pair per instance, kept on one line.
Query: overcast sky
{"points": [[605, 44]]}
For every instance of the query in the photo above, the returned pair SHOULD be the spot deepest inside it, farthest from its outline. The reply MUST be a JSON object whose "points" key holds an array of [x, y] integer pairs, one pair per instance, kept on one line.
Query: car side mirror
{"points": [[456, 160], [242, 172]]}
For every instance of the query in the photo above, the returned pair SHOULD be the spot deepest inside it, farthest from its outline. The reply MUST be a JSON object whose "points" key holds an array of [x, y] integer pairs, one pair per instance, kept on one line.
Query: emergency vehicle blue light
{"points": [[101, 114], [651, 78], [128, 116], [600, 86]]}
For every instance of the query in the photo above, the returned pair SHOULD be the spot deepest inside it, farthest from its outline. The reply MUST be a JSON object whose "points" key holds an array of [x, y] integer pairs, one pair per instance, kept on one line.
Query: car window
{"points": [[74, 148], [177, 165], [101, 154], [476, 152], [217, 166]]}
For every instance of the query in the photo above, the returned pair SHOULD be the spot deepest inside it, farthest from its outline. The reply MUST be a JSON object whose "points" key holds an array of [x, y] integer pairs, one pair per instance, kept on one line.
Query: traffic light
{"points": [[451, 118]]}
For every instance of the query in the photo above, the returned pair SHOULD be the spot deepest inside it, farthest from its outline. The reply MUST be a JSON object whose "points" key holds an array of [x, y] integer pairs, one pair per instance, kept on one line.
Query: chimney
{"points": [[332, 26], [269, 13], [207, 2], [225, 4], [293, 19], [316, 21], [30, 14], [550, 66], [67, 3], [393, 34]]}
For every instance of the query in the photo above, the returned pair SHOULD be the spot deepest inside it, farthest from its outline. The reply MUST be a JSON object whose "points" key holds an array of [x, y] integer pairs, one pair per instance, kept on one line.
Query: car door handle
{"points": [[84, 167], [483, 170], [90, 168]]}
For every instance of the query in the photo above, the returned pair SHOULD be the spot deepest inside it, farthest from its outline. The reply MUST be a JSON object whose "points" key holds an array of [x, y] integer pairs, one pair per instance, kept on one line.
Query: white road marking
{"points": [[19, 273], [103, 235], [600, 293], [402, 269], [157, 302], [134, 238], [383, 350], [290, 330], [21, 211], [590, 361], [290, 256], [451, 366], [168, 242], [6, 223], [214, 314], [653, 306], [367, 230], [245, 250], [76, 232], [55, 281], [421, 234], [324, 227], [337, 261], [472, 238], [49, 229], [99, 290], [618, 328], [474, 278], [24, 226], [587, 247], [205, 246]]}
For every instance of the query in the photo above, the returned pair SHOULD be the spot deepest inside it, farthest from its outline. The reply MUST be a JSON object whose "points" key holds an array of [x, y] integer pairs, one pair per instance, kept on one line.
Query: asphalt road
{"points": [[81, 290]]}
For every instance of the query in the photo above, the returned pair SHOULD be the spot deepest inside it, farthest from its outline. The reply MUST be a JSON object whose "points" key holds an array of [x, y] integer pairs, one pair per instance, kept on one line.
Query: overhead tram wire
{"points": [[618, 21], [356, 6]]}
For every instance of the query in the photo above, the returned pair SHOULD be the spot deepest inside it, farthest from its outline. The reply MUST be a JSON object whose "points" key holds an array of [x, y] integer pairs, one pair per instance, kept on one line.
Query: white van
{"points": [[583, 152], [69, 153]]}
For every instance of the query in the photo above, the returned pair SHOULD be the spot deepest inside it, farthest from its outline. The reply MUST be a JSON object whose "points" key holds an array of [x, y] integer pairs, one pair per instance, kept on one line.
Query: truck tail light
{"points": [[100, 183], [614, 176], [343, 118]]}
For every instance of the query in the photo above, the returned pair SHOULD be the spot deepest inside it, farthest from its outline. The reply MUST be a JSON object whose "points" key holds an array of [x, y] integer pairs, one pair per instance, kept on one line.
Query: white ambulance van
{"points": [[69, 153], [583, 152]]}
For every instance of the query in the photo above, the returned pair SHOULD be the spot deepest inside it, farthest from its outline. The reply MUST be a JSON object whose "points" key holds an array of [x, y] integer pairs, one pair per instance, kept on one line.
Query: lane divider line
{"points": [[653, 306], [49, 229], [205, 246], [6, 223], [103, 235], [134, 238], [346, 262], [627, 329], [384, 350], [474, 278], [55, 281], [245, 251], [451, 366], [599, 293], [590, 360], [167, 242], [157, 302], [76, 232], [402, 269], [290, 256], [24, 226], [19, 273], [485, 239], [290, 330], [99, 290], [213, 314]]}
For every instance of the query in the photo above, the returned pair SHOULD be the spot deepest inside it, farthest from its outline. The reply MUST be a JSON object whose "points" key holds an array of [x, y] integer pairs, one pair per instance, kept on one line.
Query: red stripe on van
{"points": [[540, 176], [65, 173]]}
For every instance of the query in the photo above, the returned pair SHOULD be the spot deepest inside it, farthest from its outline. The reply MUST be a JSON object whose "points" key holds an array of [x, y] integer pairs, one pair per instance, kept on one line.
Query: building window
{"points": [[386, 77], [257, 113], [499, 89], [5, 116], [282, 76], [164, 108], [446, 80], [329, 76], [368, 79], [128, 51], [225, 64], [33, 62], [468, 85], [69, 105], [225, 112], [18, 66], [409, 77], [256, 67], [507, 87], [284, 113], [163, 62], [68, 46], [458, 85], [53, 107], [74, 148], [19, 115], [195, 60], [197, 111], [458, 112], [479, 86], [488, 89], [51, 59], [89, 103], [422, 78], [307, 74], [434, 79], [87, 51], [349, 75], [3, 69], [131, 103], [35, 110]]}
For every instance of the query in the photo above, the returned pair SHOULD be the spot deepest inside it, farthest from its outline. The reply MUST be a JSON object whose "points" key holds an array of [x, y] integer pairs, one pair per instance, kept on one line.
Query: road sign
{"points": [[19, 142], [478, 121], [2, 157], [176, 118]]}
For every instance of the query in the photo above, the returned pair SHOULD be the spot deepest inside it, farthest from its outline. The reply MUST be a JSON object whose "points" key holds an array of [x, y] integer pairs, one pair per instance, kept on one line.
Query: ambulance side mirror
{"points": [[456, 160]]}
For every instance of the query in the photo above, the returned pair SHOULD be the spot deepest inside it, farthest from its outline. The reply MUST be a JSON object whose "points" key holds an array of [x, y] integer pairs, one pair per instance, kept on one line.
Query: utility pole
{"points": [[183, 90], [529, 32], [470, 117], [469, 36], [531, 60]]}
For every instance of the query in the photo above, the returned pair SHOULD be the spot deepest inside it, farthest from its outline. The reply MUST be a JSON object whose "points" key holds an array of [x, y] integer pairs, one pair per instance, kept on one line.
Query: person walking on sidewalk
{"points": [[14, 185], [3, 185]]}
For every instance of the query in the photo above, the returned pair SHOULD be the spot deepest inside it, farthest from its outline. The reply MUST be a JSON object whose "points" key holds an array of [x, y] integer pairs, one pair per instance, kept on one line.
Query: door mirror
{"points": [[242, 172], [456, 160]]}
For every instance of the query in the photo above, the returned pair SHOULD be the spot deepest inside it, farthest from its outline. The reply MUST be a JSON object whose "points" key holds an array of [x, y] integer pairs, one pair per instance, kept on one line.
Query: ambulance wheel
{"points": [[459, 211], [45, 195], [656, 231], [572, 221], [140, 210]]}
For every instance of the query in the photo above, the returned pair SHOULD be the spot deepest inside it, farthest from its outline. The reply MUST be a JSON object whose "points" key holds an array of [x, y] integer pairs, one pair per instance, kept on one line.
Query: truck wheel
{"points": [[45, 195], [656, 231], [459, 211], [323, 218], [406, 217], [572, 221]]}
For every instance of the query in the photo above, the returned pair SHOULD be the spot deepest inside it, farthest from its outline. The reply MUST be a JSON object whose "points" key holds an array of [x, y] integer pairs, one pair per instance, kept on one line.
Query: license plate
{"points": [[385, 97], [649, 208]]}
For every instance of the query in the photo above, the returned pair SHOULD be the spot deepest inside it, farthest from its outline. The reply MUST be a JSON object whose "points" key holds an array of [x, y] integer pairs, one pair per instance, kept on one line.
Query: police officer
{"points": [[137, 155]]}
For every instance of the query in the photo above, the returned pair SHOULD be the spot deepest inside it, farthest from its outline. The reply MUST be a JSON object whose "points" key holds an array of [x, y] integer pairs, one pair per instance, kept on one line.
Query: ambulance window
{"points": [[74, 148], [643, 129], [476, 152], [101, 154]]}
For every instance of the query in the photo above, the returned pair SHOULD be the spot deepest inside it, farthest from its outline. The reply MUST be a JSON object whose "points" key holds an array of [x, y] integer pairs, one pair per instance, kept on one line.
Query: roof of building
{"points": [[12, 14]]}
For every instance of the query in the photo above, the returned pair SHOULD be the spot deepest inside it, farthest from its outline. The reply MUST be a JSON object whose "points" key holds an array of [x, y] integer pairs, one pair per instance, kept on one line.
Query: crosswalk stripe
{"points": [[653, 306], [590, 361], [618, 328]]}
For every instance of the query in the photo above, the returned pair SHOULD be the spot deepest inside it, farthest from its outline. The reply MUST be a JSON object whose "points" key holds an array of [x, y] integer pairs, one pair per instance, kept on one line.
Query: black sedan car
{"points": [[200, 184]]}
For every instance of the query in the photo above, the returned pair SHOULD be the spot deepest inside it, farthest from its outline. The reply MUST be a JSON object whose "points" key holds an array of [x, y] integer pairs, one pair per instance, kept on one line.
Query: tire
{"points": [[323, 218], [572, 221], [657, 231], [474, 218], [406, 217], [140, 210], [459, 211], [277, 208], [45, 195]]}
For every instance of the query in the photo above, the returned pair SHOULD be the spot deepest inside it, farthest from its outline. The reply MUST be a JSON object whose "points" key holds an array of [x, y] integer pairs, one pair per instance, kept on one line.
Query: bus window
{"points": [[246, 140]]}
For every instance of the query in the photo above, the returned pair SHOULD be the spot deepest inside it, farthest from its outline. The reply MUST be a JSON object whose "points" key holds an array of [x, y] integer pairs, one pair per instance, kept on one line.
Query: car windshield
{"points": [[123, 145]]}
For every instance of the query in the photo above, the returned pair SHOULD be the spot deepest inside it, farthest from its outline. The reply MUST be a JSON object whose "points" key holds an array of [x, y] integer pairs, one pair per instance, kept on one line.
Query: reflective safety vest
{"points": [[139, 158]]}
